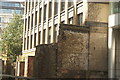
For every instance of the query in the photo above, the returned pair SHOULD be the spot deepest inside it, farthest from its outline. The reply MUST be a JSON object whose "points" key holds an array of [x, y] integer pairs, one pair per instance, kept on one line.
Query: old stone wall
{"points": [[81, 52], [45, 61], [72, 51]]}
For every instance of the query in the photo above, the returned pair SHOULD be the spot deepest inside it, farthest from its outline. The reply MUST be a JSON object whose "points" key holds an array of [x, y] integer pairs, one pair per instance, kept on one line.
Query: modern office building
{"points": [[7, 9], [42, 19], [114, 40]]}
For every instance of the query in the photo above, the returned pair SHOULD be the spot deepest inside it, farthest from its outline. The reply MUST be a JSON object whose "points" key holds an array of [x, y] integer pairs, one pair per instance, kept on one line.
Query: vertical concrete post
{"points": [[26, 66], [52, 27], [42, 24], [59, 14], [30, 25], [47, 26], [27, 26], [33, 33], [18, 68], [37, 23], [111, 53], [24, 27]]}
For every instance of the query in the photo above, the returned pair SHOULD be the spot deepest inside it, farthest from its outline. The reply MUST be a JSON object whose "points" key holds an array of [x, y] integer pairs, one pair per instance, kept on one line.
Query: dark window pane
{"points": [[80, 18]]}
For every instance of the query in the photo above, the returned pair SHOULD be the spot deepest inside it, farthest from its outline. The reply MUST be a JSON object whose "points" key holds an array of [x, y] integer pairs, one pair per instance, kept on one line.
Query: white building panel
{"points": [[114, 20]]}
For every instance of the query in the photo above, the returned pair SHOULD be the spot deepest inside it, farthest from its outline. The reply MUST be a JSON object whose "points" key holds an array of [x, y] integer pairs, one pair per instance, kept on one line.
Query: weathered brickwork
{"points": [[72, 51], [45, 61], [81, 52]]}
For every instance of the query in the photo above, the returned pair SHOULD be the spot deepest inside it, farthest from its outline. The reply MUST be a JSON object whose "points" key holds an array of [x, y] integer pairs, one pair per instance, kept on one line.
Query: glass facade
{"points": [[115, 7], [10, 11], [11, 7], [10, 4]]}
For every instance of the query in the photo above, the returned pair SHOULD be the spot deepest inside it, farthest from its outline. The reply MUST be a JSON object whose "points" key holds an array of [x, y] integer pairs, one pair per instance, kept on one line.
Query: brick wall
{"points": [[80, 52], [45, 61], [72, 51]]}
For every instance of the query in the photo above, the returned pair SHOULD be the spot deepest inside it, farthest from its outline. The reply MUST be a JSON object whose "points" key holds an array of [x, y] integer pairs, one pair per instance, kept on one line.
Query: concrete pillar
{"points": [[26, 66], [24, 27], [59, 15], [30, 25], [117, 57], [111, 53], [52, 27], [33, 33], [37, 24], [42, 24], [47, 22], [18, 68], [26, 33]]}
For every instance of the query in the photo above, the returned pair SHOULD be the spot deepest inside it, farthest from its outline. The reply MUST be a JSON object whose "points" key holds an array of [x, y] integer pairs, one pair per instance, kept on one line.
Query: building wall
{"points": [[113, 40], [98, 12], [47, 28], [76, 55], [41, 22]]}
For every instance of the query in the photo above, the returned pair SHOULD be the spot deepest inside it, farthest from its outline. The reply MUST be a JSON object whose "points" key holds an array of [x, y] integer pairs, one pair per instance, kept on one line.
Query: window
{"points": [[35, 40], [0, 19], [44, 36], [56, 7], [40, 15], [29, 5], [70, 3], [45, 8], [32, 3], [24, 43], [70, 20], [39, 34], [28, 43], [25, 24], [31, 41], [115, 7], [32, 22], [55, 33], [36, 18], [50, 9], [49, 35], [62, 5], [28, 22], [40, 1], [80, 18], [36, 2]]}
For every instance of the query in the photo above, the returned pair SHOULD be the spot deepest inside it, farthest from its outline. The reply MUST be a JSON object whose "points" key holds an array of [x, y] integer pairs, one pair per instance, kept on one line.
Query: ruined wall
{"points": [[45, 61], [81, 52], [72, 51]]}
